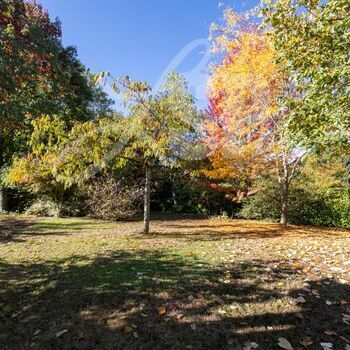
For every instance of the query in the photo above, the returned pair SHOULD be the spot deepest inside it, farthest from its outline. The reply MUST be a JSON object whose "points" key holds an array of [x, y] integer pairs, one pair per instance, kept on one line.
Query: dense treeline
{"points": [[273, 143]]}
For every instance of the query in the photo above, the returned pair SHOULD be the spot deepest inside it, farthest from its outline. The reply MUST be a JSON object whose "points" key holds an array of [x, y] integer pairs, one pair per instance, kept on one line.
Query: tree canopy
{"points": [[312, 44]]}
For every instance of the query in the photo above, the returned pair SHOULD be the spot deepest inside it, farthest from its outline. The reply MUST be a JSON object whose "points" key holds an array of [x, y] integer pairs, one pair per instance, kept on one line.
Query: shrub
{"points": [[113, 199], [265, 204], [43, 207], [330, 207]]}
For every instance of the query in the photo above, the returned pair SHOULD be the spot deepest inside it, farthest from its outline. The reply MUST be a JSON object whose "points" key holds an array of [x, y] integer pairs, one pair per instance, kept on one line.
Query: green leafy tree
{"points": [[320, 194], [312, 38], [161, 127]]}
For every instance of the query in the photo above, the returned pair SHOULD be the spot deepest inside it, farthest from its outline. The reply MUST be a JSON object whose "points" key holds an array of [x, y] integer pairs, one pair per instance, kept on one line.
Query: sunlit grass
{"points": [[221, 283]]}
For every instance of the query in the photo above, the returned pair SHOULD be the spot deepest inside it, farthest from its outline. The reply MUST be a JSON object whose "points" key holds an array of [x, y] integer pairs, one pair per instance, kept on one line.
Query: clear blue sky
{"points": [[141, 38]]}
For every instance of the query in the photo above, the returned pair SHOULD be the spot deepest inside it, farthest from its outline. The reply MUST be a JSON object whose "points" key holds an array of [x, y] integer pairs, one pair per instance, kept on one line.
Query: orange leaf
{"points": [[161, 310]]}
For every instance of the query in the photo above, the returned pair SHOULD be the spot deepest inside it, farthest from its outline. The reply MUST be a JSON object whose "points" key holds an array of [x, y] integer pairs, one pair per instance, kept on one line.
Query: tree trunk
{"points": [[3, 198], [284, 201], [147, 201]]}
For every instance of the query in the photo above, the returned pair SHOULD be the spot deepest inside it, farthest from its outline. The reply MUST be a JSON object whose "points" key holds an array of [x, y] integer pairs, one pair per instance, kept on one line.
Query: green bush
{"points": [[181, 194], [306, 207], [43, 207], [264, 205]]}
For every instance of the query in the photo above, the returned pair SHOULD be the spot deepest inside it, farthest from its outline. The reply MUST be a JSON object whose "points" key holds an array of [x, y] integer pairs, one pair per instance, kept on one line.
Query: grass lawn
{"points": [[190, 284]]}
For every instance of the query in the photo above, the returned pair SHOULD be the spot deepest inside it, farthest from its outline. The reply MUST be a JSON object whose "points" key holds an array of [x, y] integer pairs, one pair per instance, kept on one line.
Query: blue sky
{"points": [[142, 38]]}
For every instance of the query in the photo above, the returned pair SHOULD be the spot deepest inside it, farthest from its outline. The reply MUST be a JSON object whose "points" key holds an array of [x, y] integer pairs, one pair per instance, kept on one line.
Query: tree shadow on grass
{"points": [[16, 229], [10, 228], [155, 300]]}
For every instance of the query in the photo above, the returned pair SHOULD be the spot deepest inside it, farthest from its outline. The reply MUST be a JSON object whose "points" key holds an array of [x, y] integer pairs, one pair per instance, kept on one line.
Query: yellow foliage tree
{"points": [[246, 125]]}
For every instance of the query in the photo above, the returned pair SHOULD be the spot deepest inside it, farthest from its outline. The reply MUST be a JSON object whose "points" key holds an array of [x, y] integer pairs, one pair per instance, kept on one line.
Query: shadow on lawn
{"points": [[110, 302], [14, 229], [11, 228]]}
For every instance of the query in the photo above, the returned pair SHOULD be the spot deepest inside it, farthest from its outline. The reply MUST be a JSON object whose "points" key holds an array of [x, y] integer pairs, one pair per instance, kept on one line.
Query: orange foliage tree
{"points": [[246, 125]]}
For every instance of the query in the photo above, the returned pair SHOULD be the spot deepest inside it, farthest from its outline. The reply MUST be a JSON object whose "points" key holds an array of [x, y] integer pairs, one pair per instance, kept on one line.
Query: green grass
{"points": [[190, 284]]}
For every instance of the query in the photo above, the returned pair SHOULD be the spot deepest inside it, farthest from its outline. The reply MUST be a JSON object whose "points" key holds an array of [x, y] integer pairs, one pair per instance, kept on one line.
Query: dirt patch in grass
{"points": [[190, 284]]}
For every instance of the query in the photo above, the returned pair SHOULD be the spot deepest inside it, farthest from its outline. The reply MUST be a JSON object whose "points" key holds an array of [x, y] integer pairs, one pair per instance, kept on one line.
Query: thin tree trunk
{"points": [[284, 201], [147, 201], [3, 198], [284, 192], [174, 198]]}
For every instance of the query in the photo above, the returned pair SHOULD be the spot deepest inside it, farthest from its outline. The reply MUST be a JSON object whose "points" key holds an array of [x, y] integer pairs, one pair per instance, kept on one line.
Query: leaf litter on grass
{"points": [[233, 283]]}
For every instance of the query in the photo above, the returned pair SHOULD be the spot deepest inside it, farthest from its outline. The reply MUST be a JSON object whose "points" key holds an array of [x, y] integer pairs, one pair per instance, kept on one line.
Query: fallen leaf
{"points": [[250, 345], [38, 331], [295, 266], [161, 310], [346, 319], [330, 333], [347, 340], [327, 346], [300, 300], [178, 316], [306, 341], [284, 344], [328, 302], [128, 329], [60, 333]]}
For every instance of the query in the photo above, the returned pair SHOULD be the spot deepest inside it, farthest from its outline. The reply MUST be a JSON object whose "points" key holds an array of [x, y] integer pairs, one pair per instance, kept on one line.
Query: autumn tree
{"points": [[160, 128], [37, 171], [63, 155], [38, 76], [312, 42], [246, 125]]}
